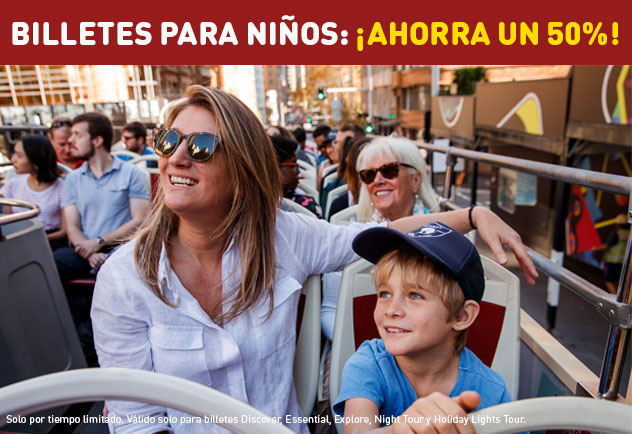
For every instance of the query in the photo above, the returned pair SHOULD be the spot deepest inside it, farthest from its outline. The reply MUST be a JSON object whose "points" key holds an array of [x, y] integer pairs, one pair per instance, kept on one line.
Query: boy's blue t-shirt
{"points": [[373, 373]]}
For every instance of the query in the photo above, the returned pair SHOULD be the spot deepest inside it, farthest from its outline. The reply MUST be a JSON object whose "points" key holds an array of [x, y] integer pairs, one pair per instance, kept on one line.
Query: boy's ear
{"points": [[467, 316]]}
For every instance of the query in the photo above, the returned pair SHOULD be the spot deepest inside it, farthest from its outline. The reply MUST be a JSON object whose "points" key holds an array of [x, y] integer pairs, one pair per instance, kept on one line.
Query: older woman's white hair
{"points": [[396, 149]]}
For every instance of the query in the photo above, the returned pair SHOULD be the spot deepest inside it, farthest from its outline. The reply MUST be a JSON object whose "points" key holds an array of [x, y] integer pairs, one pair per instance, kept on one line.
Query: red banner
{"points": [[322, 32]]}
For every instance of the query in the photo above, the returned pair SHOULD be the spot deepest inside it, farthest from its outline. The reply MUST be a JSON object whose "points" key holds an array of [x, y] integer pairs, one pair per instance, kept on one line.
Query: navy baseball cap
{"points": [[331, 136], [438, 242]]}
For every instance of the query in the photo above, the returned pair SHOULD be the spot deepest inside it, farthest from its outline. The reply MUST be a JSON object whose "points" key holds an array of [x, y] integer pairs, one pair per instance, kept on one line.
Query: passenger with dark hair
{"points": [[320, 136], [286, 156], [104, 200], [351, 178], [59, 134], [300, 136], [39, 181], [320, 133], [278, 130], [134, 137], [301, 152], [341, 158], [347, 130]]}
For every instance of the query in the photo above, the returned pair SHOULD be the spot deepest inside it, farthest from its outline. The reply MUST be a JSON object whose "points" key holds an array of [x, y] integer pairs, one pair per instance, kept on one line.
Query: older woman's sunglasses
{"points": [[388, 171], [200, 146]]}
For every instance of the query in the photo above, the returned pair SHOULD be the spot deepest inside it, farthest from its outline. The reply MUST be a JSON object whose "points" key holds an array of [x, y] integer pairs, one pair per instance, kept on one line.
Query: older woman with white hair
{"points": [[395, 181], [395, 184]]}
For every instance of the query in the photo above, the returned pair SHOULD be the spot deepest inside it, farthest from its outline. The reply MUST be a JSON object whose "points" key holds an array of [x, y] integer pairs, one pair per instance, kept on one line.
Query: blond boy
{"points": [[429, 284]]}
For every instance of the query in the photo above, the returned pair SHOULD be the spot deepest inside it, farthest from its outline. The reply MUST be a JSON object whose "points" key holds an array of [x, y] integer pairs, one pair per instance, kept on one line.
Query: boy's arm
{"points": [[362, 416], [419, 418]]}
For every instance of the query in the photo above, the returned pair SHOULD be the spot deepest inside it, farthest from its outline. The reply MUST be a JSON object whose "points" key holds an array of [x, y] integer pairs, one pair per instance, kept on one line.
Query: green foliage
{"points": [[466, 79]]}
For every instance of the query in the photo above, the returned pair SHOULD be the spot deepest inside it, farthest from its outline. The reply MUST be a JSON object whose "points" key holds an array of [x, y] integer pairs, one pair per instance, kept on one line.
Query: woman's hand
{"points": [[496, 233]]}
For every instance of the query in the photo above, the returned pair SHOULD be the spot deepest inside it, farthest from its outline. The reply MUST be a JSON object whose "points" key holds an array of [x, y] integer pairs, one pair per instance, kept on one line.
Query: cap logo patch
{"points": [[432, 230]]}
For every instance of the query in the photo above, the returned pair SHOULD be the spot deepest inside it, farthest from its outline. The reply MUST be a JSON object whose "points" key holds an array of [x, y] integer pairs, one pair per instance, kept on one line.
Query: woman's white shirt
{"points": [[250, 358]]}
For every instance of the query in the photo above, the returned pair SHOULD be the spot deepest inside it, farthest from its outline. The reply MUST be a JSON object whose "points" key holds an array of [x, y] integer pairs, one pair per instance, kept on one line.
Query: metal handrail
{"points": [[33, 210], [586, 178], [617, 312]]}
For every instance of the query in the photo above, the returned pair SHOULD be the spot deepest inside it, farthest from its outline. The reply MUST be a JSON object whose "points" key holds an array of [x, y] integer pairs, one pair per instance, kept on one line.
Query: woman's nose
{"points": [[379, 179], [179, 156]]}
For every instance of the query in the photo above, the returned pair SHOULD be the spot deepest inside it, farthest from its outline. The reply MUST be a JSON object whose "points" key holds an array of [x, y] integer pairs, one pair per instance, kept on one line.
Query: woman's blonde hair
{"points": [[253, 168], [395, 149]]}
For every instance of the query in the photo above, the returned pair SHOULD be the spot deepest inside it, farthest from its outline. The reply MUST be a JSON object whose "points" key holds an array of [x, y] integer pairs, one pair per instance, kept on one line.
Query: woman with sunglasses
{"points": [[39, 181], [395, 182], [209, 287]]}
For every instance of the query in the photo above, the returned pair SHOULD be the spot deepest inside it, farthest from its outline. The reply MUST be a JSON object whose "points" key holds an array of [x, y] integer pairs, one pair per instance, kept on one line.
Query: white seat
{"points": [[559, 413], [500, 313], [298, 208], [308, 178], [141, 162], [304, 165], [64, 168], [344, 216], [329, 169], [335, 194], [306, 359], [89, 385], [329, 178], [311, 158], [125, 152], [309, 190]]}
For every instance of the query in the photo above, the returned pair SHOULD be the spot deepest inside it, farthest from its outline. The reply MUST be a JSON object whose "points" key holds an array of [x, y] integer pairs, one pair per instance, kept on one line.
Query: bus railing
{"points": [[31, 211], [617, 310]]}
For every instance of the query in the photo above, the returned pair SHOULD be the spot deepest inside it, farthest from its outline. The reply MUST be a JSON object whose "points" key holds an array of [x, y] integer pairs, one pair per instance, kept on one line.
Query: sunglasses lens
{"points": [[166, 142], [201, 146], [368, 175], [389, 171]]}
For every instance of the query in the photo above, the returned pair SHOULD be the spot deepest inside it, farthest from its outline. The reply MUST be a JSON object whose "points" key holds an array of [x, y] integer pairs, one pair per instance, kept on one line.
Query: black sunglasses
{"points": [[61, 123], [388, 171], [200, 146]]}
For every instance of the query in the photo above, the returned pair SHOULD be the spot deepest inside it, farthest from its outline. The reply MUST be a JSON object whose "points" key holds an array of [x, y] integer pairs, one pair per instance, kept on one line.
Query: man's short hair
{"points": [[412, 267], [321, 130], [299, 134], [137, 129], [98, 125], [354, 128]]}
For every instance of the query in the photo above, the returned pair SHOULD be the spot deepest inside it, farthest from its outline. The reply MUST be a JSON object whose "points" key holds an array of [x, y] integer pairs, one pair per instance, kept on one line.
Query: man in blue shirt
{"points": [[134, 136], [104, 200]]}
